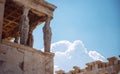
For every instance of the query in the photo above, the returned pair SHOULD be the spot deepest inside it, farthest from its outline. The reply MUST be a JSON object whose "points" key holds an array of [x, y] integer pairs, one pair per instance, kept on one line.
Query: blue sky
{"points": [[83, 31]]}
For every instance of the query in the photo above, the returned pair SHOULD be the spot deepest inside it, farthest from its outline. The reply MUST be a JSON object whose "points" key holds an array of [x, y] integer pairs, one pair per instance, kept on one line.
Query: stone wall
{"points": [[20, 59], [97, 67]]}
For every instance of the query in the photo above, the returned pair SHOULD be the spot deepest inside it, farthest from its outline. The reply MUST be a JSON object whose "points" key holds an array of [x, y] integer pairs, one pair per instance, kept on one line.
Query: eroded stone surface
{"points": [[19, 59], [97, 67]]}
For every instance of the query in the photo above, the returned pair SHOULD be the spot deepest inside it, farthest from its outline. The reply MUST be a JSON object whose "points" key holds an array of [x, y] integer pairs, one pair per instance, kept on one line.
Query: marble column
{"points": [[47, 34], [24, 26], [2, 6]]}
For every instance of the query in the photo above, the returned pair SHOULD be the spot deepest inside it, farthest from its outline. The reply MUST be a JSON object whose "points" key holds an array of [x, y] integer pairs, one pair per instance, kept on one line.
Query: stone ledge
{"points": [[23, 47]]}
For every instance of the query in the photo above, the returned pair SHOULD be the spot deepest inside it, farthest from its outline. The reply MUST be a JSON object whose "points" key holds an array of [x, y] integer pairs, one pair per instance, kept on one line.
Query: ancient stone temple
{"points": [[18, 19], [97, 67]]}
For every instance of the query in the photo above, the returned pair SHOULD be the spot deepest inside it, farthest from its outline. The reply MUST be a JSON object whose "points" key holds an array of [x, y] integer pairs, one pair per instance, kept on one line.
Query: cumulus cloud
{"points": [[96, 56], [73, 53], [70, 47], [56, 67]]}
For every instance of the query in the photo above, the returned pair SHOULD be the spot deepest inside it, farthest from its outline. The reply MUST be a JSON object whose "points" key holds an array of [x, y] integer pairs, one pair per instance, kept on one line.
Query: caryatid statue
{"points": [[24, 26], [47, 34], [30, 38]]}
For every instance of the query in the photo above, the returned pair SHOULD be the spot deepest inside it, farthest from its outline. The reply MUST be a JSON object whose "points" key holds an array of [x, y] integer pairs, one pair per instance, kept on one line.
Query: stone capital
{"points": [[48, 19], [26, 10]]}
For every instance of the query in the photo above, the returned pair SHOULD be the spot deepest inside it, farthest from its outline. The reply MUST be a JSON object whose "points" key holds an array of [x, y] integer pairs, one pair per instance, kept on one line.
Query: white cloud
{"points": [[56, 67], [68, 54], [72, 46], [96, 56], [83, 47]]}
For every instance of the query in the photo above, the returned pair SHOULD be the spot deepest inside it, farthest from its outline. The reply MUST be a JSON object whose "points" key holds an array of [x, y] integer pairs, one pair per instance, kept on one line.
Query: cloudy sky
{"points": [[83, 31]]}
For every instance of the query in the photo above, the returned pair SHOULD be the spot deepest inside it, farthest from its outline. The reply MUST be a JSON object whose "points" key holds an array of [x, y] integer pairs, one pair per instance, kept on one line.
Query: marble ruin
{"points": [[18, 19], [97, 67]]}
